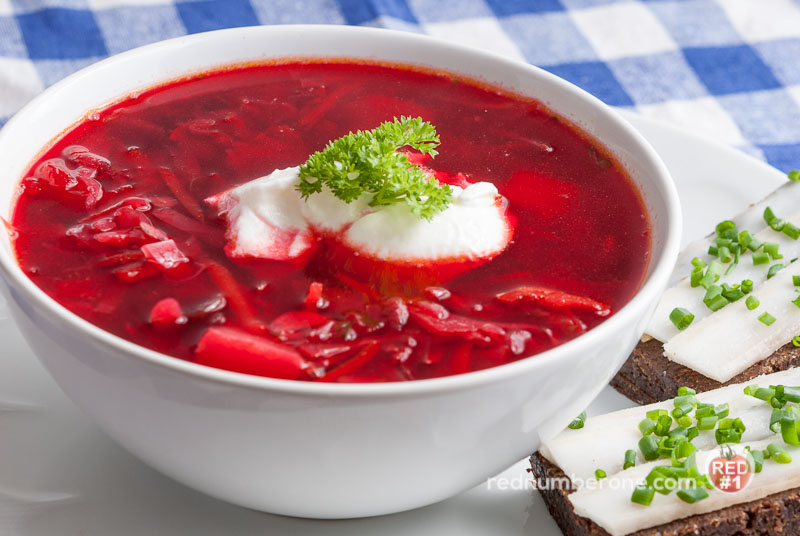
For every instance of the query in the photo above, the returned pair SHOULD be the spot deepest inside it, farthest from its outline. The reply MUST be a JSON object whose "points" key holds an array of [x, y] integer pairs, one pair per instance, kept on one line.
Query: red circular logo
{"points": [[729, 472]]}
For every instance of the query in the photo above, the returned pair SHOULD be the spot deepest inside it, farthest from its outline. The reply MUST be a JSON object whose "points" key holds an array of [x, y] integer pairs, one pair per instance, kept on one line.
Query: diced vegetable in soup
{"points": [[333, 222]]}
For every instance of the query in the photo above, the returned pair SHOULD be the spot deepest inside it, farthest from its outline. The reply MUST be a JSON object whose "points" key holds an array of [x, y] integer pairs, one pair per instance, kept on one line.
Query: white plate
{"points": [[59, 475]]}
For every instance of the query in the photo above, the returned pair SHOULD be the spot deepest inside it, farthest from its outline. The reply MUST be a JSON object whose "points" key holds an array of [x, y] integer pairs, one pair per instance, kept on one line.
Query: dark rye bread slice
{"points": [[773, 515], [648, 376]]}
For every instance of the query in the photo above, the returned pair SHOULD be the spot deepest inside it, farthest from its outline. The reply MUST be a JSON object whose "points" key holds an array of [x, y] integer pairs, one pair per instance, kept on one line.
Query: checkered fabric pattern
{"points": [[728, 70]]}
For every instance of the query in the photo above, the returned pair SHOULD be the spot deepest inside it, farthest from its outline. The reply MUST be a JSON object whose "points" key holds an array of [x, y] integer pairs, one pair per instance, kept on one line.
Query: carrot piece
{"points": [[78, 155], [239, 351], [182, 194], [166, 254], [297, 321], [555, 300], [457, 326], [167, 313], [314, 299], [233, 293], [361, 358]]}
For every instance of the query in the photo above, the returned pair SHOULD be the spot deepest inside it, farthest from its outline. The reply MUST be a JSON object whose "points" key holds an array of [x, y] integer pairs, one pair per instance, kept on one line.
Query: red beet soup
{"points": [[112, 223]]}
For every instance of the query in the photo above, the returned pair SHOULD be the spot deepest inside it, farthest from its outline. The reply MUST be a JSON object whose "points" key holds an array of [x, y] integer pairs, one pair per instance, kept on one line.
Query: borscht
{"points": [[333, 221]]}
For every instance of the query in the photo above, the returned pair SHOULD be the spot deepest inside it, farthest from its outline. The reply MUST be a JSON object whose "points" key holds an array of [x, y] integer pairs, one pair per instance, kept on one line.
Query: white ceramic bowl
{"points": [[319, 450]]}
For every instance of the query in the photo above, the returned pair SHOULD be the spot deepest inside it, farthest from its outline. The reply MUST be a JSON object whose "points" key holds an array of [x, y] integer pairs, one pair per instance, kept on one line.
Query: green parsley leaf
{"points": [[368, 162]]}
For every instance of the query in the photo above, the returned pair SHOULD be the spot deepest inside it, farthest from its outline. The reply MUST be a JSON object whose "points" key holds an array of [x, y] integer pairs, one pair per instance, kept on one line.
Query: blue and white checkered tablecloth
{"points": [[728, 70]]}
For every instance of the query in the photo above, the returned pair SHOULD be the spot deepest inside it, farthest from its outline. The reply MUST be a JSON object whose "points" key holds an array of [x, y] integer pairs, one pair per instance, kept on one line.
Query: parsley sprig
{"points": [[368, 162]]}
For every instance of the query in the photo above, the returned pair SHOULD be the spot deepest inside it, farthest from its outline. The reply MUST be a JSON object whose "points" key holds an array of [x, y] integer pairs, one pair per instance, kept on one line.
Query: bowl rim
{"points": [[651, 284]]}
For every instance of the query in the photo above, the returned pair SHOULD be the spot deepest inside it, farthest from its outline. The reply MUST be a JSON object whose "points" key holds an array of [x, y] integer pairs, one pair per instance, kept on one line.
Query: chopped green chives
{"points": [[792, 394], [745, 238], [789, 431], [707, 423], [717, 303], [776, 417], [727, 435], [681, 317], [663, 425], [713, 251], [725, 424], [649, 447], [578, 422], [685, 399], [692, 495], [747, 286], [661, 479], [766, 319], [679, 432], [778, 453], [760, 258], [777, 224], [712, 292], [796, 301], [733, 294], [697, 262], [754, 244], [738, 425], [665, 445], [762, 393], [715, 267], [751, 303], [705, 411], [714, 298], [697, 276], [724, 242], [724, 254], [682, 410], [726, 229], [692, 432], [683, 391], [796, 280], [599, 474], [722, 410], [647, 426], [756, 457], [796, 341], [643, 495], [772, 249], [683, 450], [707, 280], [794, 175], [630, 459], [774, 269], [791, 230], [684, 421], [768, 215]]}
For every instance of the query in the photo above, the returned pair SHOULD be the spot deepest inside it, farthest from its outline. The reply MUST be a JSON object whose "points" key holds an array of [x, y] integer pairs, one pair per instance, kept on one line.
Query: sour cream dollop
{"points": [[268, 219]]}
